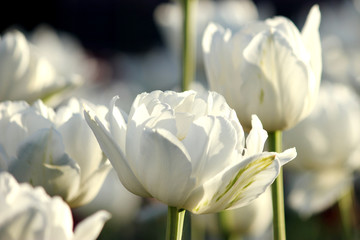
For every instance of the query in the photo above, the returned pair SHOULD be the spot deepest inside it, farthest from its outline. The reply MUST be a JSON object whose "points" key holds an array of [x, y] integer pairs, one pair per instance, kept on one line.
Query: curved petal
{"points": [[287, 29], [115, 155], [82, 146], [165, 169], [14, 61], [91, 227], [257, 137], [19, 127], [43, 162], [286, 156], [141, 119], [216, 49], [272, 63], [90, 186], [21, 224], [211, 143], [117, 123], [60, 219], [311, 37], [236, 186]]}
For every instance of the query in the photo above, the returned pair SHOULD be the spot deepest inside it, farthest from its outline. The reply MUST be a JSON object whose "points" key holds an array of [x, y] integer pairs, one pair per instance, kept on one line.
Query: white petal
{"points": [[14, 60], [164, 167], [210, 33], [60, 219], [236, 186], [90, 186], [143, 99], [256, 138], [187, 102], [18, 126], [25, 223], [211, 143], [81, 145], [289, 31], [91, 227], [278, 101], [7, 183], [286, 156], [29, 213], [117, 123], [115, 155], [183, 123], [43, 162], [311, 37], [217, 58], [135, 126]]}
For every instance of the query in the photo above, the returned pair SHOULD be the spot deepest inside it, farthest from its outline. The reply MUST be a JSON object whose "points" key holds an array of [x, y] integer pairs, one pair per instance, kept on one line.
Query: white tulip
{"points": [[56, 150], [25, 74], [30, 214], [267, 68], [328, 145], [188, 151]]}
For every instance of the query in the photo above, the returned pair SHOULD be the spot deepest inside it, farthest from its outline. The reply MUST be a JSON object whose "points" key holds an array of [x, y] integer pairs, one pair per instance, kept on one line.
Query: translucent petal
{"points": [[117, 123], [42, 161], [236, 186], [165, 170], [257, 137], [211, 143], [278, 101], [311, 37], [115, 155], [91, 227]]}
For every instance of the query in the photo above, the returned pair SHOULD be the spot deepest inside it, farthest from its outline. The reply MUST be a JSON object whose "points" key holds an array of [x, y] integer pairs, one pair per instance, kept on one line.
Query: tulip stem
{"points": [[224, 224], [175, 222], [226, 221], [188, 43], [275, 145], [347, 214]]}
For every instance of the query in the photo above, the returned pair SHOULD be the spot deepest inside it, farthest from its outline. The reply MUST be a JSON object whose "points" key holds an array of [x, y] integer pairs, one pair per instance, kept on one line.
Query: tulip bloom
{"points": [[56, 150], [29, 213], [188, 151], [267, 68], [25, 74], [328, 144]]}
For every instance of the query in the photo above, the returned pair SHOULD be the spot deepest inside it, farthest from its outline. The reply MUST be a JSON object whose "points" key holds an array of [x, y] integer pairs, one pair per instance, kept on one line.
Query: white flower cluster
{"points": [[199, 151]]}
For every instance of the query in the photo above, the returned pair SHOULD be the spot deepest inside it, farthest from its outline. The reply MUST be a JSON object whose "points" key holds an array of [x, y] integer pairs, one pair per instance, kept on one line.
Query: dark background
{"points": [[103, 26]]}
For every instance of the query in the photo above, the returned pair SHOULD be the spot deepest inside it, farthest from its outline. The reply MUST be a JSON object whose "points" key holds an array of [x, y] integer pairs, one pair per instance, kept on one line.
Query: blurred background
{"points": [[129, 42], [117, 25]]}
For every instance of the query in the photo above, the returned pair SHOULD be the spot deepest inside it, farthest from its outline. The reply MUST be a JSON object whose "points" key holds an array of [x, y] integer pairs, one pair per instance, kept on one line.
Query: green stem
{"points": [[188, 44], [275, 145], [347, 209], [224, 224], [175, 222]]}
